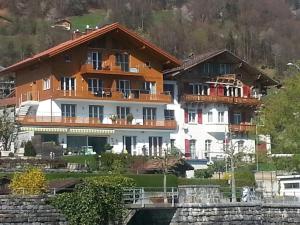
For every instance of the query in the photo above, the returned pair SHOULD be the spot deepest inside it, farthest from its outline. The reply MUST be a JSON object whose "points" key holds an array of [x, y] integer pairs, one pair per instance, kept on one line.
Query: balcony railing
{"points": [[8, 101], [243, 128], [59, 121], [111, 68], [116, 95], [221, 99]]}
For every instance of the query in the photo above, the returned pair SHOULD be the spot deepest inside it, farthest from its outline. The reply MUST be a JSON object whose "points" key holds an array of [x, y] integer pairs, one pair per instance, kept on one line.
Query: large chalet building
{"points": [[216, 96], [110, 86], [103, 86]]}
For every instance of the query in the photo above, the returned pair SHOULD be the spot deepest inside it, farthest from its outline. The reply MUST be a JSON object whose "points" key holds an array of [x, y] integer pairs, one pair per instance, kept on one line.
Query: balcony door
{"points": [[95, 85], [122, 112], [68, 110], [155, 146], [97, 60], [68, 83], [122, 60], [150, 87], [96, 111], [237, 118], [124, 87], [149, 113]]}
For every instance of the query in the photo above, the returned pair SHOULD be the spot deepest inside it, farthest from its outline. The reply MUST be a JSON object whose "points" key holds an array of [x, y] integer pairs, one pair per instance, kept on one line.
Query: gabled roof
{"points": [[194, 61], [87, 37]]}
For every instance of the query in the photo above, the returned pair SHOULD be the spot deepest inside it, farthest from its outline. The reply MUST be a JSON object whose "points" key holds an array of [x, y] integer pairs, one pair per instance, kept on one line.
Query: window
{"points": [[96, 111], [200, 89], [172, 142], [169, 114], [210, 117], [237, 118], [169, 88], [95, 85], [129, 144], [67, 58], [124, 87], [291, 185], [67, 83], [224, 68], [206, 68], [207, 150], [122, 112], [192, 115], [46, 84], [155, 146], [149, 113], [97, 60], [240, 146], [68, 110], [122, 60], [150, 87], [193, 149], [221, 117]]}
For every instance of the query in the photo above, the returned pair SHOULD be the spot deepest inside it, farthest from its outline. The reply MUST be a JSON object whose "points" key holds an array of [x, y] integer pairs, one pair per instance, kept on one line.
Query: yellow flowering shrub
{"points": [[30, 182]]}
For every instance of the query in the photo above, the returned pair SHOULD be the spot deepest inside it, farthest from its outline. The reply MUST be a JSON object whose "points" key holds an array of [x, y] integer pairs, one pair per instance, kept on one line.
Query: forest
{"points": [[263, 32]]}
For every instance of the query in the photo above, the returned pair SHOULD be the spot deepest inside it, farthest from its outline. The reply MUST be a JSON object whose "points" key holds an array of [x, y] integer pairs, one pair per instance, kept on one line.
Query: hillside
{"points": [[260, 31]]}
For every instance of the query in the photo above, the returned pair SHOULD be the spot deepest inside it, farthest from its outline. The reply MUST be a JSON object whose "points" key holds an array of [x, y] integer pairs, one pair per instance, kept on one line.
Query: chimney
{"points": [[88, 29], [76, 34]]}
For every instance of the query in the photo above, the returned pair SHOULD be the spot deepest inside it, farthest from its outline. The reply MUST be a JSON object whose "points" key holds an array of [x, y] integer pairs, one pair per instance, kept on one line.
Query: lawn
{"points": [[93, 18]]}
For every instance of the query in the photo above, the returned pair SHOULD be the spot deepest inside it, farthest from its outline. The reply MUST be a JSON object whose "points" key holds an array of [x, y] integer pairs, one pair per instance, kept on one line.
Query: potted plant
{"points": [[129, 118], [113, 118]]}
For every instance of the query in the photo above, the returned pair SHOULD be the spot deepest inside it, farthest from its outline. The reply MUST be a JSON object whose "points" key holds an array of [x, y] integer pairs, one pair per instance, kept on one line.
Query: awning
{"points": [[82, 131]]}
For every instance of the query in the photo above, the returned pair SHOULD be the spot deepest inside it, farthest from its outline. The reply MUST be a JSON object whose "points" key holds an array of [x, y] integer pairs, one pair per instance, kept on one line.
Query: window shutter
{"points": [[246, 91], [220, 90], [186, 116], [187, 148], [212, 90], [199, 116]]}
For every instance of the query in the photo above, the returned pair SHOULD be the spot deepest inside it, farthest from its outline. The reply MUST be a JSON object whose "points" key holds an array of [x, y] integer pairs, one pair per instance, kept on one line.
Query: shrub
{"points": [[98, 199], [11, 154], [29, 149], [30, 182], [204, 173]]}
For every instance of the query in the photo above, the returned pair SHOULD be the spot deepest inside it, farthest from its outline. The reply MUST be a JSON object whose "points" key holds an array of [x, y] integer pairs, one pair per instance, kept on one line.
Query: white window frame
{"points": [[192, 115], [68, 80], [221, 117], [210, 117], [207, 148], [199, 89], [98, 87], [46, 84], [193, 149]]}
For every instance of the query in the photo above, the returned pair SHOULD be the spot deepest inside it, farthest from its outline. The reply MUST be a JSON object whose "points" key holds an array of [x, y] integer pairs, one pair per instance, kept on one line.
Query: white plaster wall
{"points": [[289, 192]]}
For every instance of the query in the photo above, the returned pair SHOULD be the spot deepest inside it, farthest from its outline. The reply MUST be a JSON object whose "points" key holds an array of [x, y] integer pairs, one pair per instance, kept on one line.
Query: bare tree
{"points": [[8, 130]]}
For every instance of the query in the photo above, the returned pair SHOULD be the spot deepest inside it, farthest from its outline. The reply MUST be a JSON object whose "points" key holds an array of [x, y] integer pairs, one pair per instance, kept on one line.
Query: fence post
{"points": [[143, 196], [54, 191], [173, 197], [23, 190], [133, 195]]}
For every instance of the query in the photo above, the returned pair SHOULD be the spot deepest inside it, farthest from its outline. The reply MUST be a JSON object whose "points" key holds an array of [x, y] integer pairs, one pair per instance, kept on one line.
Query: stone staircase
{"points": [[28, 210], [25, 107]]}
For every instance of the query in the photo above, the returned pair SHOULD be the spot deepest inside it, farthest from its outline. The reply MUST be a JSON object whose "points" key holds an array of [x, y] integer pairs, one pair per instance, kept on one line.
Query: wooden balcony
{"points": [[221, 99], [242, 128], [8, 101], [115, 95], [56, 121], [112, 70]]}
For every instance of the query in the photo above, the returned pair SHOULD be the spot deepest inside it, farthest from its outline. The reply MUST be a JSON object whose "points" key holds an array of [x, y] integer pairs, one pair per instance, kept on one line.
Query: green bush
{"points": [[29, 149], [244, 178], [98, 200], [204, 173]]}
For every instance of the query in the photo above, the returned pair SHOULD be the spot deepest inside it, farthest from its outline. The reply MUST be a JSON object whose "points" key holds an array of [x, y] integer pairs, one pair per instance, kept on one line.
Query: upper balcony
{"points": [[242, 128], [130, 95], [58, 121], [109, 61], [254, 102]]}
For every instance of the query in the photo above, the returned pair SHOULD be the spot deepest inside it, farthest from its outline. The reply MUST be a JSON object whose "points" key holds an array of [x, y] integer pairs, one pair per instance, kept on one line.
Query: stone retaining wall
{"points": [[28, 211]]}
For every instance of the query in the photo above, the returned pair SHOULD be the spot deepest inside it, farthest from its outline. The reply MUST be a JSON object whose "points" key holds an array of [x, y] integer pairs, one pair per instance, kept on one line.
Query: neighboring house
{"points": [[104, 86], [215, 94], [63, 23], [273, 184], [289, 185]]}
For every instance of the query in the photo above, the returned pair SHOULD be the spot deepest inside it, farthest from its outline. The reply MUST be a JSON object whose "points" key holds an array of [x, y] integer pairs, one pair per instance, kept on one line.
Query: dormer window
{"points": [[225, 69]]}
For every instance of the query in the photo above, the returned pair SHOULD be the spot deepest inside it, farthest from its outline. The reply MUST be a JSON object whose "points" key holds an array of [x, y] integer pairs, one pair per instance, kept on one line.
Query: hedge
{"points": [[154, 180], [186, 181]]}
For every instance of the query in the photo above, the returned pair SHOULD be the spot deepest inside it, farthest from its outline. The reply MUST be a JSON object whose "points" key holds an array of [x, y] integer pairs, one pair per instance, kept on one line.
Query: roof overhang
{"points": [[161, 54]]}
